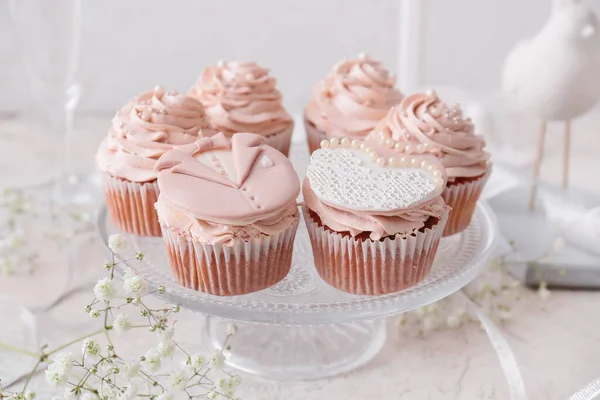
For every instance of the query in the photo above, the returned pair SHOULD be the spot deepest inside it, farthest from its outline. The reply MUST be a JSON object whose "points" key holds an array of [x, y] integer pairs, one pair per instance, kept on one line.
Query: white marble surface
{"points": [[556, 341]]}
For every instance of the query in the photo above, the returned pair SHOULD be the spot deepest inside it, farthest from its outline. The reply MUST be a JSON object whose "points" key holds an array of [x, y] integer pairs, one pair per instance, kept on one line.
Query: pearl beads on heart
{"points": [[401, 161]]}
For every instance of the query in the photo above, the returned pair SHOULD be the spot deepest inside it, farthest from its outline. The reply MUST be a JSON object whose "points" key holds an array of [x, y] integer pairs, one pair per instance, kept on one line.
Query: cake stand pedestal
{"points": [[302, 328]]}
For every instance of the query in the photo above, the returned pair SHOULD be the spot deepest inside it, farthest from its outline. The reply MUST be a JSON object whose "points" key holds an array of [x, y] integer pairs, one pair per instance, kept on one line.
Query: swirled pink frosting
{"points": [[353, 98], [379, 224], [217, 190], [145, 128], [241, 97], [423, 119]]}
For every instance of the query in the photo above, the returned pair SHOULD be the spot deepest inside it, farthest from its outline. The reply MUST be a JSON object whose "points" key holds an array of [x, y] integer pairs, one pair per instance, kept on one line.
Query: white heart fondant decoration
{"points": [[349, 179]]}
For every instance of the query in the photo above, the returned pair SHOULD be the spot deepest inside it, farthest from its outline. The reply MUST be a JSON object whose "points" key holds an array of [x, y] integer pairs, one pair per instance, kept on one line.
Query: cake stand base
{"points": [[299, 352]]}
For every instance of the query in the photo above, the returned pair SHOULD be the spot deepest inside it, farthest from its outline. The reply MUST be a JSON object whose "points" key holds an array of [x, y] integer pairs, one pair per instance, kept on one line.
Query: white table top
{"points": [[556, 341]]}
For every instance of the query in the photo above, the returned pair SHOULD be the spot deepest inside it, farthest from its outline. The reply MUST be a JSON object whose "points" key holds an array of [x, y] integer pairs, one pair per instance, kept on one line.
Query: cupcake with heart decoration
{"points": [[241, 96], [228, 213], [144, 129], [350, 101], [374, 223], [424, 124]]}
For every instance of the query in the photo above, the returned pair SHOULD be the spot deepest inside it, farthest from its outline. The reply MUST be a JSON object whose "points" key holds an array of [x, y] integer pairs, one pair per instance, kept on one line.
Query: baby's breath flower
{"points": [[177, 381], [197, 361], [453, 321], [55, 376], [29, 395], [217, 359], [176, 308], [90, 348], [232, 329], [130, 393], [139, 256], [167, 334], [150, 363], [136, 301], [543, 291], [108, 266], [161, 289], [131, 370], [235, 381], [62, 362], [122, 323], [116, 242], [211, 395], [430, 323], [134, 284], [166, 348], [104, 289], [94, 313]]}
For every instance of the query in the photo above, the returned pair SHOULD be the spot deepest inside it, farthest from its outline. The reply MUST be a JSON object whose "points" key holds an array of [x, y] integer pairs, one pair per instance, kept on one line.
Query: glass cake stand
{"points": [[302, 328]]}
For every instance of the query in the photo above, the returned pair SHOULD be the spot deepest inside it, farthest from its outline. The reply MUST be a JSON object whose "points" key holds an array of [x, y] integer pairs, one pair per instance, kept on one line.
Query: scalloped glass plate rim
{"points": [[355, 308]]}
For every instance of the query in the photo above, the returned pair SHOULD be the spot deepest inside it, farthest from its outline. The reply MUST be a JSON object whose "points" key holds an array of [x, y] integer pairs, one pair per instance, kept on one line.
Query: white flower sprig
{"points": [[101, 373]]}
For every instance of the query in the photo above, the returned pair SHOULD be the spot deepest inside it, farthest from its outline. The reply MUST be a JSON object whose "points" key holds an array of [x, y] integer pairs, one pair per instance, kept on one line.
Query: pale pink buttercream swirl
{"points": [[422, 123], [208, 232], [379, 224], [353, 98], [145, 128], [241, 97]]}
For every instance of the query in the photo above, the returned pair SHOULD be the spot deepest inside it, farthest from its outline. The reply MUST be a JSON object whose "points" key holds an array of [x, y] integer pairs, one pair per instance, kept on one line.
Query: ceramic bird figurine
{"points": [[555, 75]]}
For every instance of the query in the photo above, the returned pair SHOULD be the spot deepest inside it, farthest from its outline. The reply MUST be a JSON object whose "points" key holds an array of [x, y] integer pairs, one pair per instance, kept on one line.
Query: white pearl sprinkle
{"points": [[362, 146], [420, 148], [389, 143], [345, 142], [334, 142], [402, 161], [431, 93], [220, 63], [399, 146], [158, 89], [439, 182], [374, 156], [324, 144], [362, 56], [392, 161], [249, 77], [408, 149], [380, 161], [356, 143], [432, 168], [436, 173], [424, 164], [414, 162]]}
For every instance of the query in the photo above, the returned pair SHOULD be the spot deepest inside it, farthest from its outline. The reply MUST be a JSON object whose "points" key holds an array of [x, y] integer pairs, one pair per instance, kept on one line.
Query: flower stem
{"points": [[79, 339], [33, 370], [9, 347]]}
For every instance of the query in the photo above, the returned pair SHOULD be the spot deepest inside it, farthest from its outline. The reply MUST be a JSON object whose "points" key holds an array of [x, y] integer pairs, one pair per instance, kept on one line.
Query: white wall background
{"points": [[129, 46]]}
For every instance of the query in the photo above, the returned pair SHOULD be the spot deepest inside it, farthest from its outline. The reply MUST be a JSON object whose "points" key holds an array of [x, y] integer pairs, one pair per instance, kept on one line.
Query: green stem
{"points": [[9, 347], [35, 367], [79, 339]]}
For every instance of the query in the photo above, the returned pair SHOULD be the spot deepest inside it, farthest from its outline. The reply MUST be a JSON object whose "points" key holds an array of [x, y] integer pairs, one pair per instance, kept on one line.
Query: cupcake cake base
{"points": [[131, 205], [462, 196], [360, 265], [244, 267]]}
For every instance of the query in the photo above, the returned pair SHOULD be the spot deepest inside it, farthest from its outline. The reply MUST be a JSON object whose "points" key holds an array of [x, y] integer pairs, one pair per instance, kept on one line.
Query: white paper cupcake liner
{"points": [[245, 267], [373, 267], [131, 205], [462, 197]]}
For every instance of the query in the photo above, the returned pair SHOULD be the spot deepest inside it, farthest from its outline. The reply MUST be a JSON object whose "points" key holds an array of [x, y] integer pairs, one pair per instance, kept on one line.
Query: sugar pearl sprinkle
{"points": [[402, 161]]}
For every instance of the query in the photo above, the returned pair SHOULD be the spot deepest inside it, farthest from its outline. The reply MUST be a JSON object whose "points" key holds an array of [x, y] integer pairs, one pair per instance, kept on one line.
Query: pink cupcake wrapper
{"points": [[313, 136], [131, 205], [281, 141], [463, 197], [373, 267], [245, 267]]}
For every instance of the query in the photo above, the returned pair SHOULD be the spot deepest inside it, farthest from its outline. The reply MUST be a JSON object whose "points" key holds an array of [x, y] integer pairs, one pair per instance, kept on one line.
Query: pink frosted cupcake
{"points": [[140, 133], [243, 97], [422, 123], [374, 224], [228, 212], [350, 101]]}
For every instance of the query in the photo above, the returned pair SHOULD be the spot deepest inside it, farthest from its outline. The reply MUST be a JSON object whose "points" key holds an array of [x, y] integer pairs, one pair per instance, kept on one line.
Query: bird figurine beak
{"points": [[587, 31]]}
